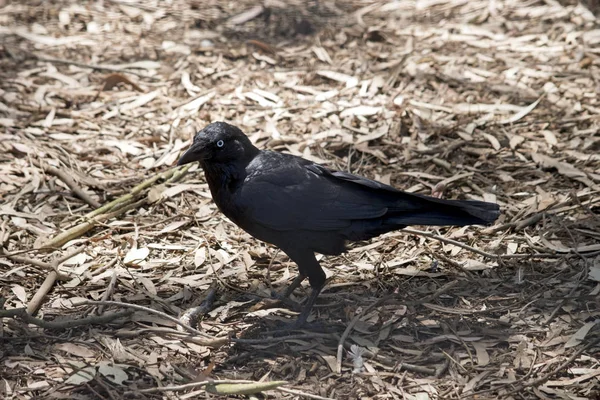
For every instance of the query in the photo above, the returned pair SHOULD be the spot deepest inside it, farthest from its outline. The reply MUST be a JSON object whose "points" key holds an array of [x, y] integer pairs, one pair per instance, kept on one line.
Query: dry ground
{"points": [[494, 100]]}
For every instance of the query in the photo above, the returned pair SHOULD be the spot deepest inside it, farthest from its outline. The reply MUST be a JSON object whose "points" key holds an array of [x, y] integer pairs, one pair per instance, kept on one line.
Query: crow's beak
{"points": [[192, 154]]}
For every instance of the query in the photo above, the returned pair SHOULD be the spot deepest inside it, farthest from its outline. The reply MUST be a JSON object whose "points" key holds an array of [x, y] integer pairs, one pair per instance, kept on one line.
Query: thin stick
{"points": [[114, 208], [450, 241], [81, 229], [109, 291], [481, 252], [349, 328], [63, 176], [192, 385], [549, 375], [90, 66], [189, 338], [39, 296], [212, 340], [36, 301], [416, 368], [195, 385], [27, 260], [171, 175], [23, 315], [275, 339]]}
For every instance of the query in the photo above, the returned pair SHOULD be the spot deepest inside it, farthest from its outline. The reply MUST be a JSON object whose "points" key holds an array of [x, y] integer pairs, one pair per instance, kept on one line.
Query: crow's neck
{"points": [[224, 179]]}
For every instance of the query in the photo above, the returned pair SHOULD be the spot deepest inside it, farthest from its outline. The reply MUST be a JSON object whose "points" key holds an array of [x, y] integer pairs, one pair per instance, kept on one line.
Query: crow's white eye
{"points": [[220, 143]]}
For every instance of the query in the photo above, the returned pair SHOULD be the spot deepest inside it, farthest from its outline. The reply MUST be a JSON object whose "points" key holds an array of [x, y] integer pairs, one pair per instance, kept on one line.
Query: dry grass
{"points": [[494, 100]]}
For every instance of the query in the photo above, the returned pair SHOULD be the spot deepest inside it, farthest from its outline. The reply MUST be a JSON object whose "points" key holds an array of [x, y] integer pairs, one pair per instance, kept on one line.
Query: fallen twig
{"points": [[82, 228], [340, 348], [79, 192], [169, 176], [53, 275], [23, 315], [450, 241], [27, 260], [90, 66], [39, 296], [213, 342], [275, 339], [550, 374], [516, 225], [37, 299], [109, 290], [178, 388], [481, 252], [230, 387], [115, 208]]}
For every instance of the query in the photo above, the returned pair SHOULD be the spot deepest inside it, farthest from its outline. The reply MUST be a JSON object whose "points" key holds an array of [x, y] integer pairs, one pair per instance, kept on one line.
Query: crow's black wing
{"points": [[348, 177], [418, 209], [295, 194]]}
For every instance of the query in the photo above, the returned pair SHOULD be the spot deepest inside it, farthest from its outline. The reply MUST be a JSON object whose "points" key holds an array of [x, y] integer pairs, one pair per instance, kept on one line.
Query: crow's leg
{"points": [[294, 285], [290, 289], [285, 296], [310, 302], [308, 266]]}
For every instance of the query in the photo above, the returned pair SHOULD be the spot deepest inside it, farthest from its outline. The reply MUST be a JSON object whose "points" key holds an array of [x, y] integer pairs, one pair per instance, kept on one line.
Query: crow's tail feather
{"points": [[425, 211], [441, 212]]}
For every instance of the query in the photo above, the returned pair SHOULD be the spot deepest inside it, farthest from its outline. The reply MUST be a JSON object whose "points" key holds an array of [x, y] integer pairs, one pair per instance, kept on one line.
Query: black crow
{"points": [[303, 207]]}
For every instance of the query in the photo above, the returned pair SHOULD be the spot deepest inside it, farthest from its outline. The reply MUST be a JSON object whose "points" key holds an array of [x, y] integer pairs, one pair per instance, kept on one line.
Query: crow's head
{"points": [[219, 143]]}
